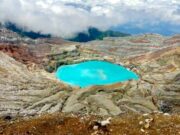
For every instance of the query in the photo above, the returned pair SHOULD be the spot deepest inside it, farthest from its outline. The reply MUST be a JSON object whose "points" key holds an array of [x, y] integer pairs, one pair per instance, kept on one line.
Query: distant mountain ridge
{"points": [[92, 34], [24, 33], [95, 34]]}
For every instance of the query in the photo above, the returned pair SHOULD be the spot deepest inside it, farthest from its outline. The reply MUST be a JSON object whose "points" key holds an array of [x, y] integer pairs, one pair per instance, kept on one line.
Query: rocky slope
{"points": [[21, 88], [25, 90]]}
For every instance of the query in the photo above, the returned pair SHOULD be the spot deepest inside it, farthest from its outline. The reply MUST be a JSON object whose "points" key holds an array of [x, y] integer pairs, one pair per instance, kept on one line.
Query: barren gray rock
{"points": [[26, 92]]}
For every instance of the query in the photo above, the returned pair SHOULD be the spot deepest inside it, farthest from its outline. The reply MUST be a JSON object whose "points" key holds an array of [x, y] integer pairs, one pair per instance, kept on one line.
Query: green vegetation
{"points": [[53, 65], [22, 32], [92, 34], [95, 34]]}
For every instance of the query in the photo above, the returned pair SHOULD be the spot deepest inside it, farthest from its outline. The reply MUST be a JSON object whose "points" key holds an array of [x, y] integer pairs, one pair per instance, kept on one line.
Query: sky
{"points": [[66, 18]]}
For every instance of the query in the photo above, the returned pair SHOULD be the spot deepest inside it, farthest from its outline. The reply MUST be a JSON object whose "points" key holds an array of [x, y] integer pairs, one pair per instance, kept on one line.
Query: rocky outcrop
{"points": [[20, 53], [163, 74]]}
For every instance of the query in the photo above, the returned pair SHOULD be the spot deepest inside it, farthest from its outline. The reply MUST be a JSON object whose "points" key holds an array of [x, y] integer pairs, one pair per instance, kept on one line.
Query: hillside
{"points": [[95, 34], [92, 34], [28, 91], [24, 33]]}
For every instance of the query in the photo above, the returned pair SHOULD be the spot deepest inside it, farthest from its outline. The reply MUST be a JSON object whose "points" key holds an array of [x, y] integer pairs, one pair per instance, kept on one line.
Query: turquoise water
{"points": [[94, 73]]}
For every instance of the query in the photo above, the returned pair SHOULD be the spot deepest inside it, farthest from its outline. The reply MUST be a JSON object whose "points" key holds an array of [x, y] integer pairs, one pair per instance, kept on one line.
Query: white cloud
{"points": [[67, 17]]}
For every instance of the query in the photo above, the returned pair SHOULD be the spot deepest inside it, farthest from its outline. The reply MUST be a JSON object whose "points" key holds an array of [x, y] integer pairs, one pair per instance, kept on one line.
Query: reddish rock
{"points": [[139, 41], [173, 40], [155, 55], [20, 53]]}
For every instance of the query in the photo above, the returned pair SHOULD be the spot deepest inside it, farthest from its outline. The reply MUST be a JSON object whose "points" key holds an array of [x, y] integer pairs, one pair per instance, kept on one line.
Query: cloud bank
{"points": [[65, 18]]}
